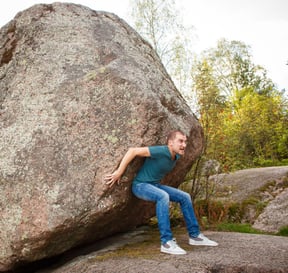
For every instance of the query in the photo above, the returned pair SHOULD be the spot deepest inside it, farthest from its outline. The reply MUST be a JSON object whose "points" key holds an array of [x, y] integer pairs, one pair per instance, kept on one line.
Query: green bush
{"points": [[283, 231]]}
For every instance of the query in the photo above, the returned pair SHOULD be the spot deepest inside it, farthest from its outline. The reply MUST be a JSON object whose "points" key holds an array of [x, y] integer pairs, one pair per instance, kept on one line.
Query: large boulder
{"points": [[78, 88]]}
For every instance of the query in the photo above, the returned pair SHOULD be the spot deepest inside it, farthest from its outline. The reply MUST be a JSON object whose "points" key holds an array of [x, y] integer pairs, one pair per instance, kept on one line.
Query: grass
{"points": [[247, 228], [236, 227]]}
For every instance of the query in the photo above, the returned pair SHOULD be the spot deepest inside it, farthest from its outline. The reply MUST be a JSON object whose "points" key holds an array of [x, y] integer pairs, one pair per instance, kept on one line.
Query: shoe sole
{"points": [[172, 253], [201, 244]]}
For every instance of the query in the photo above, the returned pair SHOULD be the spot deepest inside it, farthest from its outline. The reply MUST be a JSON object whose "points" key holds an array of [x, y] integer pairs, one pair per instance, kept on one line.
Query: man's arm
{"points": [[128, 157]]}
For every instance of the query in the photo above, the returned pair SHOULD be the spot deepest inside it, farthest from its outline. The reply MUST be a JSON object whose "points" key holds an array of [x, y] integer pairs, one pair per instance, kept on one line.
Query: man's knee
{"points": [[187, 197], [164, 197]]}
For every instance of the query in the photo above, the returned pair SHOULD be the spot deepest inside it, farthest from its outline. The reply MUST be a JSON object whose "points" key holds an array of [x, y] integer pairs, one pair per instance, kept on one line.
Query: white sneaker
{"points": [[201, 240], [171, 247]]}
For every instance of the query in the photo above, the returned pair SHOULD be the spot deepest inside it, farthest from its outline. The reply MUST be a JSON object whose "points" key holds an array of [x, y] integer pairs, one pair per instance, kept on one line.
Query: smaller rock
{"points": [[275, 215]]}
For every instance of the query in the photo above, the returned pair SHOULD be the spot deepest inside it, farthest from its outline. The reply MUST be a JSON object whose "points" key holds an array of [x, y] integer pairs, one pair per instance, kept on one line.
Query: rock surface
{"points": [[244, 183], [240, 184], [78, 87], [237, 252], [275, 215]]}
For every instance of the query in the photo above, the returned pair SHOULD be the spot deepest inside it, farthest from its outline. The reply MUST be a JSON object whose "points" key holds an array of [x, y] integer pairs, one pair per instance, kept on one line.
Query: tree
{"points": [[159, 22], [259, 121], [234, 70], [242, 113]]}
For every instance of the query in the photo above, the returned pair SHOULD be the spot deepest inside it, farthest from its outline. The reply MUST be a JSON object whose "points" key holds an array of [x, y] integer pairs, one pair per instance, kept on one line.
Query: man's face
{"points": [[178, 144]]}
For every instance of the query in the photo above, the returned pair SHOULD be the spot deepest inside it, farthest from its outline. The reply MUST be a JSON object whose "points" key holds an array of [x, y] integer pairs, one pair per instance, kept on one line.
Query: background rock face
{"points": [[275, 215], [77, 89]]}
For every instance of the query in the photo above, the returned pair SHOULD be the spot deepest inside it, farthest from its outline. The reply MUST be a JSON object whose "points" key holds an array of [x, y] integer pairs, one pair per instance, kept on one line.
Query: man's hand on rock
{"points": [[112, 178]]}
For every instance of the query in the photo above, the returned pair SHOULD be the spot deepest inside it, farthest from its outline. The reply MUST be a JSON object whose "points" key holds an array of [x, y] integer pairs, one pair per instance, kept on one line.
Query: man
{"points": [[146, 185]]}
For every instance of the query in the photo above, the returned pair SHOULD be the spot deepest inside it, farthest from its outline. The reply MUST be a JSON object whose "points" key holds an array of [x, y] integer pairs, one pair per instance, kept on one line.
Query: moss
{"points": [[92, 75], [267, 187], [148, 249], [145, 250]]}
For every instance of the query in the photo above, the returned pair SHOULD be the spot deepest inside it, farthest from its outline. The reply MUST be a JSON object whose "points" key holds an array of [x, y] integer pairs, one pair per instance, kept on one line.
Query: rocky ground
{"points": [[138, 250]]}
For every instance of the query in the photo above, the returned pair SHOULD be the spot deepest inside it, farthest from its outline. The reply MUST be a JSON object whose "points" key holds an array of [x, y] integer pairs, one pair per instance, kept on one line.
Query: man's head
{"points": [[176, 141]]}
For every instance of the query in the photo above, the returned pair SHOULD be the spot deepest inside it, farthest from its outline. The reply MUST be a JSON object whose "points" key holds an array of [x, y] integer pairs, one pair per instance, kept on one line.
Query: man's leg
{"points": [[152, 193], [184, 199], [195, 237]]}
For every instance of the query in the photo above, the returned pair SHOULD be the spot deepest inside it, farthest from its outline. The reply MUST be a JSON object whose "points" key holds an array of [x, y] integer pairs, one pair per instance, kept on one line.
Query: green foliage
{"points": [[283, 231], [256, 127], [243, 116], [262, 162]]}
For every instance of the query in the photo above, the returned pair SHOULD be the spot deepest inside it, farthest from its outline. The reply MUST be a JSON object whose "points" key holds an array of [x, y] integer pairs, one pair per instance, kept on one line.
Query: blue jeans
{"points": [[162, 195]]}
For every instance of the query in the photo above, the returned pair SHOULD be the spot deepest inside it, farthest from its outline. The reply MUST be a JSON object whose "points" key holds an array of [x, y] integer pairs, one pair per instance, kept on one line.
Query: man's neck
{"points": [[172, 153]]}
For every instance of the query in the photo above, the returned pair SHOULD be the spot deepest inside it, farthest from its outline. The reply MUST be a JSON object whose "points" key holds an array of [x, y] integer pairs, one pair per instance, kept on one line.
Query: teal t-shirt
{"points": [[156, 166]]}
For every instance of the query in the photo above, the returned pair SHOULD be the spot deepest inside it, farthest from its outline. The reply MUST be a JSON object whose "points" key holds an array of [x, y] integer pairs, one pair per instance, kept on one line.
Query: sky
{"points": [[260, 24]]}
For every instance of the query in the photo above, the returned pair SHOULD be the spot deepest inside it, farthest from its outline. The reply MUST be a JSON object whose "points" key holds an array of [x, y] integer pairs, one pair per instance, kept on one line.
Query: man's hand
{"points": [[112, 178], [115, 177]]}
